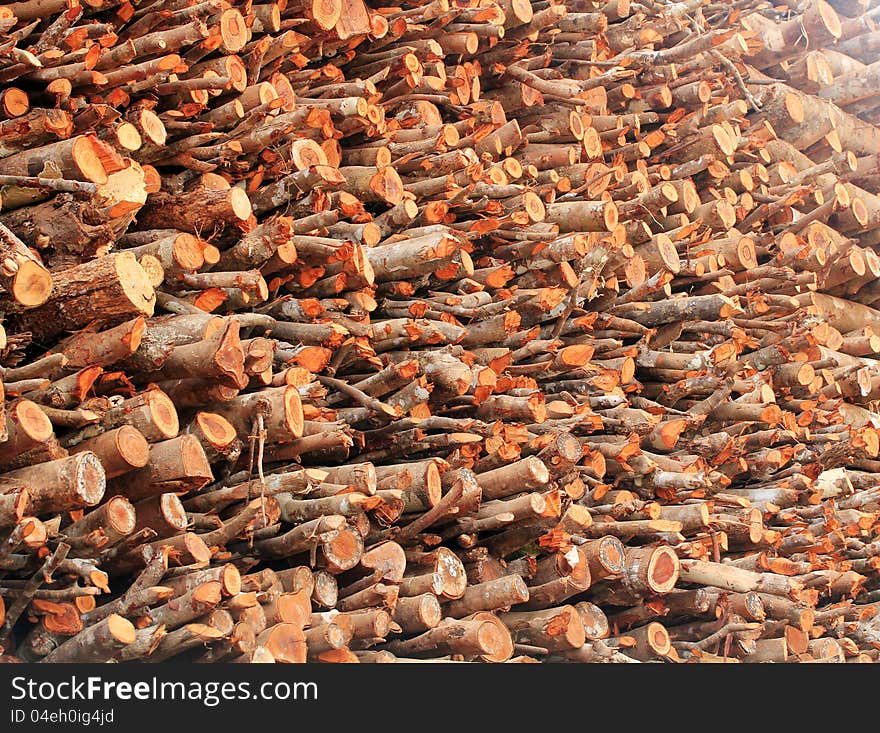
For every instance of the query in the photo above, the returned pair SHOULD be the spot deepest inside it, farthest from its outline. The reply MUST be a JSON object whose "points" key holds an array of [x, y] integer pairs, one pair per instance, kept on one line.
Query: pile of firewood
{"points": [[474, 330]]}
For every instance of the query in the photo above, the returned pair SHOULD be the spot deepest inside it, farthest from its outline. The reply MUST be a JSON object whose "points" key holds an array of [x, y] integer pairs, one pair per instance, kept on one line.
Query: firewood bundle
{"points": [[486, 330]]}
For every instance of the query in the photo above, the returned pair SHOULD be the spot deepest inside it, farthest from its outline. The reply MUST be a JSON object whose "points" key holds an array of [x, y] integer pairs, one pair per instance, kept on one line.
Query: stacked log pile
{"points": [[485, 330]]}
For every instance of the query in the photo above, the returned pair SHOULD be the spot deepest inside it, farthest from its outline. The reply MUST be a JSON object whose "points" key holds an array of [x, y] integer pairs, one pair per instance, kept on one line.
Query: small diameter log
{"points": [[187, 607], [13, 504], [200, 211], [558, 578], [151, 412], [420, 483], [440, 572], [104, 526], [326, 591], [281, 407], [651, 642], [648, 571], [606, 557], [186, 637], [361, 477], [293, 608], [164, 514], [339, 548], [385, 561], [227, 575], [323, 639], [738, 579], [217, 436], [595, 621], [369, 624]]}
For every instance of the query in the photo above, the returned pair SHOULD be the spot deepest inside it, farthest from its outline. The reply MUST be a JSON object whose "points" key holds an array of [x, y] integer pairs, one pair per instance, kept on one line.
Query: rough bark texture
{"points": [[336, 332]]}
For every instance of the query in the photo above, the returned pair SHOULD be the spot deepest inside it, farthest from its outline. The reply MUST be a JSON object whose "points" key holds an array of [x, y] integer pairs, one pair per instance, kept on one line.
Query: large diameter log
{"points": [[110, 289], [281, 408], [493, 595], [525, 475], [481, 635], [583, 216], [178, 465], [200, 211], [120, 450], [96, 643], [152, 413], [26, 427], [22, 274], [75, 482]]}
